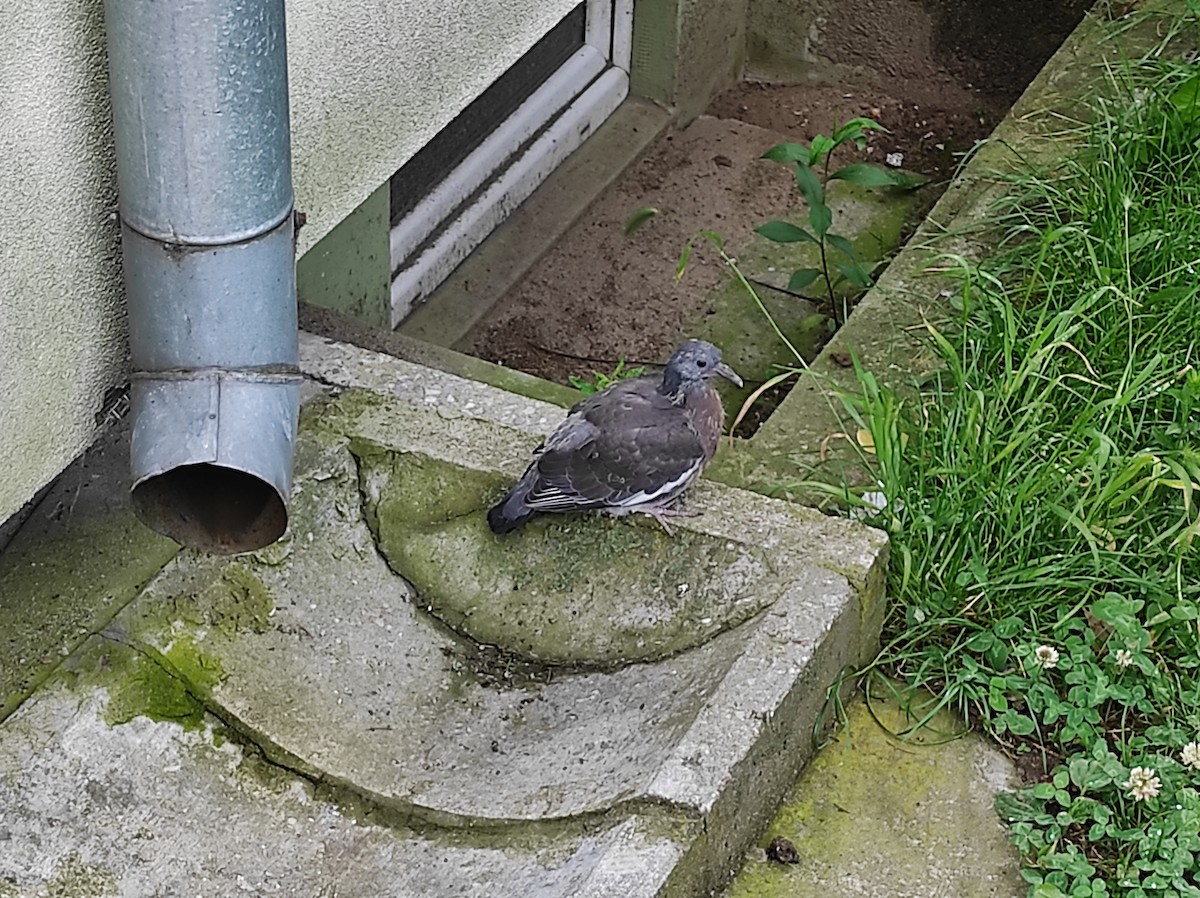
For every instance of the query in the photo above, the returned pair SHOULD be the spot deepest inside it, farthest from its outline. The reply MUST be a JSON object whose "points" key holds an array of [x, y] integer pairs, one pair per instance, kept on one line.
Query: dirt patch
{"points": [[930, 134], [601, 295], [938, 74]]}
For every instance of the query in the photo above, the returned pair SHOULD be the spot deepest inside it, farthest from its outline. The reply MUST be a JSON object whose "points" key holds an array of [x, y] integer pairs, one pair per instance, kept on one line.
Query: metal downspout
{"points": [[200, 114]]}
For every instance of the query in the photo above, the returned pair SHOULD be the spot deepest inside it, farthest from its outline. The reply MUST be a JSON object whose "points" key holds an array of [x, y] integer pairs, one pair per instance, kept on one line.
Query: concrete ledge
{"points": [[321, 324], [357, 717], [154, 808]]}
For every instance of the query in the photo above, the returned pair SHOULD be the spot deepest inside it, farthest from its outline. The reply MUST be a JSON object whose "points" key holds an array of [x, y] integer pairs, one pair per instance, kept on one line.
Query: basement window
{"points": [[449, 196]]}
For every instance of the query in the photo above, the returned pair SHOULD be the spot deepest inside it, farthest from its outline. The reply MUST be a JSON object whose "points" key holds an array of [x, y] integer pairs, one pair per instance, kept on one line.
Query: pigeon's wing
{"points": [[623, 447]]}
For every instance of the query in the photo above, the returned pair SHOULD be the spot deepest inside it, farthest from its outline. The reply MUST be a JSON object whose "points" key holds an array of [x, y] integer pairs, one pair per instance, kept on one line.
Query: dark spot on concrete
{"points": [[782, 851]]}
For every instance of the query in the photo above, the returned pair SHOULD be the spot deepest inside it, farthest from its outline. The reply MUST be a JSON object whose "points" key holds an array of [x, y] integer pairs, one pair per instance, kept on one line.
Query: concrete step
{"points": [[590, 707]]}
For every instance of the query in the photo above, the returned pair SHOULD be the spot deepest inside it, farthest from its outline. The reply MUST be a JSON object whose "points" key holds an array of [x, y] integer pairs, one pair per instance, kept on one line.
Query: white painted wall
{"points": [[371, 82], [62, 328]]}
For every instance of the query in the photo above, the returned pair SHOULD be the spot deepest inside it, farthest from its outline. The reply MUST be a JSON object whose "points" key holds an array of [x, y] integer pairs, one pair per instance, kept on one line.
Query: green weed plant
{"points": [[839, 261], [1042, 493], [600, 380]]}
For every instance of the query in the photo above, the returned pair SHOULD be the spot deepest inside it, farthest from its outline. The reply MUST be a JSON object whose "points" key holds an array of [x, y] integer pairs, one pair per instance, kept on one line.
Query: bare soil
{"points": [[600, 295], [938, 74]]}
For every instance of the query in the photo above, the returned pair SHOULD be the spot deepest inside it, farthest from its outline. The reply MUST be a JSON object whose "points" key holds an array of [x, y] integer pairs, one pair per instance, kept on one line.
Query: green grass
{"points": [[1043, 489], [601, 380]]}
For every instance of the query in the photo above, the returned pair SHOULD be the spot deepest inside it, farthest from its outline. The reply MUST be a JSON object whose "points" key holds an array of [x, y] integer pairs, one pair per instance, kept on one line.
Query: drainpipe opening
{"points": [[204, 172], [212, 508]]}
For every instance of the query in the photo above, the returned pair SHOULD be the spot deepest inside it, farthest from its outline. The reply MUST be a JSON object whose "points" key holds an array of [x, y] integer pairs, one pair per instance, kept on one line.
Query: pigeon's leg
{"points": [[661, 512]]}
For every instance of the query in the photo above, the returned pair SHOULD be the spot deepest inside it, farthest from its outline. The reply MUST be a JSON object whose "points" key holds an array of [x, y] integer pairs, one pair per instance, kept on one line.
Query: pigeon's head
{"points": [[693, 362]]}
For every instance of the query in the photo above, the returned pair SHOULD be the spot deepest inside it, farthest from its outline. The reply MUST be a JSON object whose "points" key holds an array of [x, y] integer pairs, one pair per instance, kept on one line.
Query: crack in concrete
{"points": [[370, 807], [9, 707], [336, 388]]}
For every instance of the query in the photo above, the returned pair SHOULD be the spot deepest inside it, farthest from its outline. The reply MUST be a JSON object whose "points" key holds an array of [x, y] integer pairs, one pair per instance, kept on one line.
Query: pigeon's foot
{"points": [[660, 514]]}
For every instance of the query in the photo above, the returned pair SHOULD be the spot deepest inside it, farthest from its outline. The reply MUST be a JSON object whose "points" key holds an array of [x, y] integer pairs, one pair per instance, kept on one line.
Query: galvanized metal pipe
{"points": [[200, 115]]}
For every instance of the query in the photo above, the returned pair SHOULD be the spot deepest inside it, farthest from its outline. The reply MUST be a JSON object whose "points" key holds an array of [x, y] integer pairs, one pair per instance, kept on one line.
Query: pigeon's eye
{"points": [[700, 363]]}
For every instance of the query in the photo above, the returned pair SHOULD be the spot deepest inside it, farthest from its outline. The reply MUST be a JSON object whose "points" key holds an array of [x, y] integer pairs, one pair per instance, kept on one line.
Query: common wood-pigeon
{"points": [[634, 446]]}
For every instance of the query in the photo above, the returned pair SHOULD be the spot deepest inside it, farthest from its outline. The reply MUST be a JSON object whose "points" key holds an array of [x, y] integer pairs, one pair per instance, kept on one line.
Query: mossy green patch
{"points": [[429, 492], [876, 815], [147, 689], [580, 589], [74, 879], [141, 681], [203, 672], [338, 416]]}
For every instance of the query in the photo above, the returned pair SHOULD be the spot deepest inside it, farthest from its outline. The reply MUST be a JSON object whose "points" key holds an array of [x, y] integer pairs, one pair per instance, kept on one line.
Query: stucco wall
{"points": [[371, 81], [62, 328]]}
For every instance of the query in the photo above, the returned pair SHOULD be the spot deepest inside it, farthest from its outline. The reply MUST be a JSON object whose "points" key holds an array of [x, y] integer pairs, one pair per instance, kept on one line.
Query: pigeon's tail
{"points": [[511, 512]]}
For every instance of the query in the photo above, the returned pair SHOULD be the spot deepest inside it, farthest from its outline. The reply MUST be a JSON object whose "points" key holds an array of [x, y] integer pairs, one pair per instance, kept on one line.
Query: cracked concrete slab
{"points": [[79, 557], [153, 808], [623, 772], [366, 689]]}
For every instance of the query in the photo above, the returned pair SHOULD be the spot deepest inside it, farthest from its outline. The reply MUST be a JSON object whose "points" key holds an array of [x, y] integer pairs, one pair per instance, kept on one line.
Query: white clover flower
{"points": [[1191, 755], [876, 499], [1142, 784], [895, 160], [1045, 656], [1123, 658]]}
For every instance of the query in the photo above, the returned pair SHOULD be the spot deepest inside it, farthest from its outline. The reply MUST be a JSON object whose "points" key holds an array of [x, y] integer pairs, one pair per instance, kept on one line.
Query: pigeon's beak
{"points": [[728, 373]]}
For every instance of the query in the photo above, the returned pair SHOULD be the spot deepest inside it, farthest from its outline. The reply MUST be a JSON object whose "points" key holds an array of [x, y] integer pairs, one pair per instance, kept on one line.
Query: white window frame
{"points": [[431, 240]]}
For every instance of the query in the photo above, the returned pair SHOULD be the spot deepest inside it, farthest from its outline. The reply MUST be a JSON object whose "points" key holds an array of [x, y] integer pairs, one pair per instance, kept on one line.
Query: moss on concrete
{"points": [[874, 815], [143, 687], [142, 681], [754, 349], [74, 879], [581, 589], [63, 583], [235, 600], [153, 660], [201, 671]]}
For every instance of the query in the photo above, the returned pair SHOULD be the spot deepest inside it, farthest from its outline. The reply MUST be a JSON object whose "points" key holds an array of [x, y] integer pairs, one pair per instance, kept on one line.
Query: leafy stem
{"points": [[811, 168]]}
